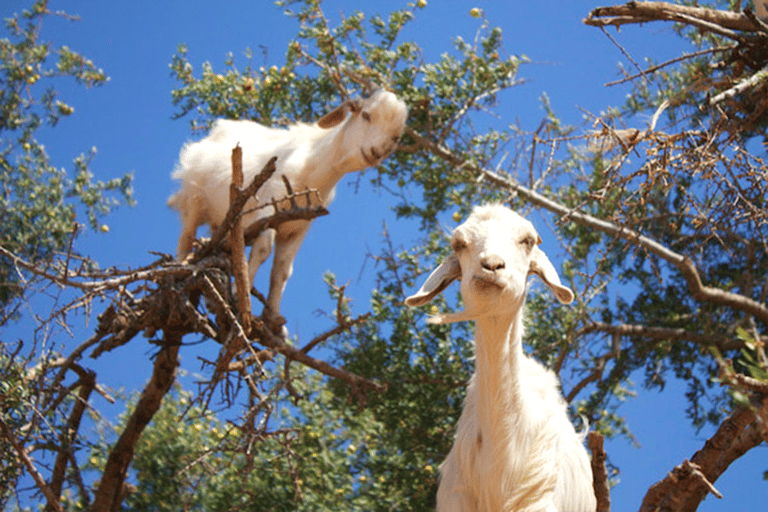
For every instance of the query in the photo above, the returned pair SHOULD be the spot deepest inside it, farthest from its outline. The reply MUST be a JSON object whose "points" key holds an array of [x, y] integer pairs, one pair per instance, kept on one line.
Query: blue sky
{"points": [[129, 121]]}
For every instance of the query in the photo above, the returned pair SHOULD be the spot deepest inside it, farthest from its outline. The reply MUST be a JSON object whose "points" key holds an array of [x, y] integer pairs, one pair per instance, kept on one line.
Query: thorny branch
{"points": [[749, 32]]}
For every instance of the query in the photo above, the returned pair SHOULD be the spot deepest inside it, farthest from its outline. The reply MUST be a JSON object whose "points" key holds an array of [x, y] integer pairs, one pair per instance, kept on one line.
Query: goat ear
{"points": [[541, 266], [447, 272], [334, 117], [337, 115]]}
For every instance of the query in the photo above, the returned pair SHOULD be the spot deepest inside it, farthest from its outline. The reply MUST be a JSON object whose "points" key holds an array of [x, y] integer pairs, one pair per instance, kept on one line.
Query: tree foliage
{"points": [[40, 202], [664, 225]]}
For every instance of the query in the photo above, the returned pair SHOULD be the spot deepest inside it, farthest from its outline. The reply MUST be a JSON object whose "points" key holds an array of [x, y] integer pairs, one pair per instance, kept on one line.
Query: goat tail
{"points": [[174, 201]]}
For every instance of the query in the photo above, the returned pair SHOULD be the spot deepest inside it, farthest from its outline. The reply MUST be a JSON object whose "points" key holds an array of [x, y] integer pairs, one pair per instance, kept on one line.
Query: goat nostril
{"points": [[492, 263]]}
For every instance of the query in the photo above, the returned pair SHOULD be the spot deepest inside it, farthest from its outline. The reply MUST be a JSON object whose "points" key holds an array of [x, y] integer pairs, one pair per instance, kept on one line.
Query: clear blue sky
{"points": [[129, 122]]}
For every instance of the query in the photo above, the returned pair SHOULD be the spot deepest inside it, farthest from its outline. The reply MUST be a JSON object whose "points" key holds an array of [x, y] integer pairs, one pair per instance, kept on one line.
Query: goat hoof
{"points": [[275, 322], [186, 258]]}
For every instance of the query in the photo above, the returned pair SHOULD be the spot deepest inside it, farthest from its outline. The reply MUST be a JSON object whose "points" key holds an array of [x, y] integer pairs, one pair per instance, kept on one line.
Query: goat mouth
{"points": [[372, 159], [487, 283], [376, 156]]}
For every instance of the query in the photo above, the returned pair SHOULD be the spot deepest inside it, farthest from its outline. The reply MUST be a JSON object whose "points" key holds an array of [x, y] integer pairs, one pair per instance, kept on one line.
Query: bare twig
{"points": [[741, 87], [87, 383], [343, 326], [683, 57], [51, 498], [237, 339], [281, 216], [724, 343], [600, 364], [275, 342], [101, 282]]}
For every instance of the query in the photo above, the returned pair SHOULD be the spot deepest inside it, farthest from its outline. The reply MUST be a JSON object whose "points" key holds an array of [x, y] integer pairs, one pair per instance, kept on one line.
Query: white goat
{"points": [[311, 156], [515, 448]]}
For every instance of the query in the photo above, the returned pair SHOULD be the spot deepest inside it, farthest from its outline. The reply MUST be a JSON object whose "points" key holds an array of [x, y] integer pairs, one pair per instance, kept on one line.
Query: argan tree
{"points": [[659, 205]]}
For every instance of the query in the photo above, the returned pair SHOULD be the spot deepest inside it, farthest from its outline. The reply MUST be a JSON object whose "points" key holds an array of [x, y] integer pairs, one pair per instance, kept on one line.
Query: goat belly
{"points": [[290, 230]]}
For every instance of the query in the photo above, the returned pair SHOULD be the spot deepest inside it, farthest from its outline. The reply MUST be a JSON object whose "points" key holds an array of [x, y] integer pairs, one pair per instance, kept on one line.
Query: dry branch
{"points": [[599, 472], [110, 488], [237, 254], [235, 209], [689, 483], [723, 343], [270, 340], [280, 216], [643, 12], [739, 88], [87, 383], [684, 474], [600, 364]]}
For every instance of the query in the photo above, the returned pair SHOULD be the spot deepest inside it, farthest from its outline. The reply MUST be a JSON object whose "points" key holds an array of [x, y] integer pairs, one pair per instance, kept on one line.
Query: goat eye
{"points": [[528, 242], [457, 245], [365, 115]]}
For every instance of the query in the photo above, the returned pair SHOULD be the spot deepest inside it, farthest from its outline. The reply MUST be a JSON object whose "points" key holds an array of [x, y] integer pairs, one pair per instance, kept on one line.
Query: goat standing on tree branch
{"points": [[515, 448], [313, 156]]}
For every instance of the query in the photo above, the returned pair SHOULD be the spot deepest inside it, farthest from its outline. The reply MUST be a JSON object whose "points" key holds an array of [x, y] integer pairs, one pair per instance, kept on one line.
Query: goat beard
{"points": [[461, 316]]}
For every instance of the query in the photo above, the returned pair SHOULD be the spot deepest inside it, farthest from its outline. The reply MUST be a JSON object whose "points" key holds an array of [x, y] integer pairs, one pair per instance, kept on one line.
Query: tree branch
{"points": [[69, 433], [237, 241], [599, 472], [109, 493], [683, 57], [740, 87], [681, 262], [270, 340], [688, 483], [597, 373], [724, 343], [643, 12], [51, 498], [235, 209]]}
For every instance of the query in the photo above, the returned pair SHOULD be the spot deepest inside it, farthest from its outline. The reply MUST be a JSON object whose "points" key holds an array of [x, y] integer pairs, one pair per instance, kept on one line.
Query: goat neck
{"points": [[498, 361]]}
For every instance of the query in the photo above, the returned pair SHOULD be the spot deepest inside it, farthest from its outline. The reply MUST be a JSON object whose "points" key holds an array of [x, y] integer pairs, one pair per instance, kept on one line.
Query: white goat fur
{"points": [[515, 448], [313, 156]]}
